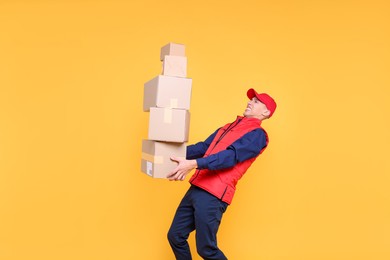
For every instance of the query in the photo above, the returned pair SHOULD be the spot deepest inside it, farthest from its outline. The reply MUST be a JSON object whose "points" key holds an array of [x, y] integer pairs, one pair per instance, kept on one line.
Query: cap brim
{"points": [[251, 93]]}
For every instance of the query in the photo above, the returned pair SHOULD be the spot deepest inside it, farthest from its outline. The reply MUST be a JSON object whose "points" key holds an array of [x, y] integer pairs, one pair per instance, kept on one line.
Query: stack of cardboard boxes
{"points": [[167, 99]]}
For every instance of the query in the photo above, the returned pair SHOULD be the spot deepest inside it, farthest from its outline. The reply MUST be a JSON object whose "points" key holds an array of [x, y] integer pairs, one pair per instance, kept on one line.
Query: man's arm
{"points": [[246, 147], [199, 149], [187, 165]]}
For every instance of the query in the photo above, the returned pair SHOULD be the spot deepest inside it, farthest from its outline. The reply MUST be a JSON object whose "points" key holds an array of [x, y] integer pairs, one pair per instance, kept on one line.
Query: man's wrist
{"points": [[195, 163], [200, 163]]}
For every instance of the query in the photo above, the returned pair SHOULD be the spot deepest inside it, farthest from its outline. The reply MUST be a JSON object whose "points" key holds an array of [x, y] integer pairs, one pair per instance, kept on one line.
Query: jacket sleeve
{"points": [[248, 146], [199, 149]]}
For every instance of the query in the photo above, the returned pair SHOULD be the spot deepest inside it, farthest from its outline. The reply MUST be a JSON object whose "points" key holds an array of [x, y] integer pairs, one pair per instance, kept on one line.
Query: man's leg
{"points": [[182, 226], [208, 215]]}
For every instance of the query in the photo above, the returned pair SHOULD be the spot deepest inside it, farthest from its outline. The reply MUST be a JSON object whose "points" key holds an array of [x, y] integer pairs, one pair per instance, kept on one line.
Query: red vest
{"points": [[222, 183]]}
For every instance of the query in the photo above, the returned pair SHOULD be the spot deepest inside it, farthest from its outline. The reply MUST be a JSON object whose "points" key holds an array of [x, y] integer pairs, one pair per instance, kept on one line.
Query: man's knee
{"points": [[175, 238], [171, 237]]}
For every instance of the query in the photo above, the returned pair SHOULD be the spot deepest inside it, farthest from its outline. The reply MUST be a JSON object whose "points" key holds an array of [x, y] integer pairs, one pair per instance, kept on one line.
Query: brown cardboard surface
{"points": [[166, 91], [175, 66], [156, 155], [174, 49], [169, 125]]}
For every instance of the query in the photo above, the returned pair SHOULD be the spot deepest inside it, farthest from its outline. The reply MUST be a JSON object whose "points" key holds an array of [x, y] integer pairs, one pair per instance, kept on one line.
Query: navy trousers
{"points": [[200, 211]]}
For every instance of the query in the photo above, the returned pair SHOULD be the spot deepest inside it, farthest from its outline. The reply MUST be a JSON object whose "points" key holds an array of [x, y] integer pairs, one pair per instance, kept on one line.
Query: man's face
{"points": [[256, 108]]}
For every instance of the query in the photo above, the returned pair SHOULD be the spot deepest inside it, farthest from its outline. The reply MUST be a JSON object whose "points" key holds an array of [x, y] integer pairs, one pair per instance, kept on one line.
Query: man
{"points": [[220, 161]]}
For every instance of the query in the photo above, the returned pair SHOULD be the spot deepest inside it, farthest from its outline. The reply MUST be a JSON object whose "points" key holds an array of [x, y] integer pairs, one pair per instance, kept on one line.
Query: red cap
{"points": [[268, 101]]}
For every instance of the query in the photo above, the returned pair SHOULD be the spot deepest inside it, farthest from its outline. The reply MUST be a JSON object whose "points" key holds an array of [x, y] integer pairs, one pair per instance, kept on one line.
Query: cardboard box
{"points": [[174, 49], [156, 155], [175, 66], [169, 125], [166, 91]]}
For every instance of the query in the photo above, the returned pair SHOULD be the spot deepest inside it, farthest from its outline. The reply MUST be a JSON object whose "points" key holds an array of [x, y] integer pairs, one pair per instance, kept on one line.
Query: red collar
{"points": [[249, 119]]}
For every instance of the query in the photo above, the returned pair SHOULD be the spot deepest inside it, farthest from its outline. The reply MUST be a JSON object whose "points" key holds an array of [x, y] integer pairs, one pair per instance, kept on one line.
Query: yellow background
{"points": [[71, 125]]}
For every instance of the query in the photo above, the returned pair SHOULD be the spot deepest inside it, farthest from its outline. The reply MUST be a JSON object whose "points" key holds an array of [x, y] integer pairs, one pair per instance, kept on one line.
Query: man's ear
{"points": [[266, 113]]}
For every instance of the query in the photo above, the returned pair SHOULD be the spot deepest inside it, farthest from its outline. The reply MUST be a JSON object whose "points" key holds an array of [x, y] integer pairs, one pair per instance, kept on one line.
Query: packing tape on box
{"points": [[173, 103], [152, 158], [168, 115]]}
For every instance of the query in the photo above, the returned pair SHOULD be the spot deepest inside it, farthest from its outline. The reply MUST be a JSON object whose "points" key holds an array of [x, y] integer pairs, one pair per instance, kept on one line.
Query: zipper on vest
{"points": [[223, 194], [231, 126]]}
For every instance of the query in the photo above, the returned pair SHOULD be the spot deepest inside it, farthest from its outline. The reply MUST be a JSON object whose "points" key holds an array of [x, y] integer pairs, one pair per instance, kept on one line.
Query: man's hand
{"points": [[183, 168]]}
